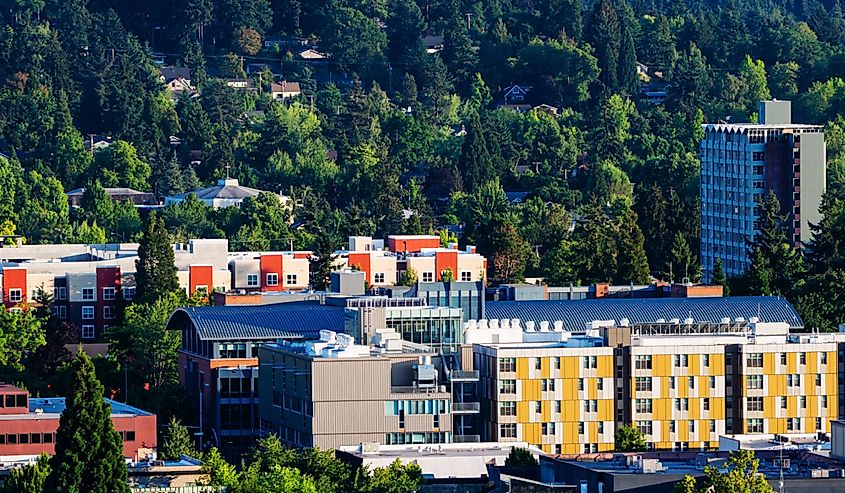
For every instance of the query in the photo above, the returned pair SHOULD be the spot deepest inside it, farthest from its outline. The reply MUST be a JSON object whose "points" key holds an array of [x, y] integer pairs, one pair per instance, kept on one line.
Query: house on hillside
{"points": [[284, 90]]}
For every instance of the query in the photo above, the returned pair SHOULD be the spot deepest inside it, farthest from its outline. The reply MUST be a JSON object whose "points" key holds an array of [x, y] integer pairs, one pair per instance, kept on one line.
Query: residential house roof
{"points": [[285, 87], [311, 54], [170, 73]]}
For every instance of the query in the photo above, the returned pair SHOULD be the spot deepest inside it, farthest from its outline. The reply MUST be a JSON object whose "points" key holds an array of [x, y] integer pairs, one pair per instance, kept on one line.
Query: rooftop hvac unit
{"points": [[726, 320], [516, 323], [505, 324], [675, 321], [529, 326], [624, 322], [558, 325], [544, 326], [688, 321], [739, 319], [494, 323], [753, 320]]}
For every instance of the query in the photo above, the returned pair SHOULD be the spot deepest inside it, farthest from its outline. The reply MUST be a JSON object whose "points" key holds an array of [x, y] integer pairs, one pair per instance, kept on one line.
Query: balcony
{"points": [[417, 390], [464, 375], [466, 438], [466, 408]]}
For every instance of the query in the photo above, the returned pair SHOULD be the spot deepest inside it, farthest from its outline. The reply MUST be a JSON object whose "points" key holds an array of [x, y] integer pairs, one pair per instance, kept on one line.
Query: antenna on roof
{"points": [[227, 170]]}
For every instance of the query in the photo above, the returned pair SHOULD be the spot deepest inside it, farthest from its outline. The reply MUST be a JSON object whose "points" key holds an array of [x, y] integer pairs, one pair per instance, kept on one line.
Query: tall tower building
{"points": [[739, 163]]}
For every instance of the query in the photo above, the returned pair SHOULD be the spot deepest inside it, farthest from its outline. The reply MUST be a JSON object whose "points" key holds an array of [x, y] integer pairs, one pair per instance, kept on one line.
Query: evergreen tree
{"points": [[475, 162], [322, 260], [776, 266], [177, 441], [682, 262], [632, 264], [690, 82], [629, 80], [404, 35], [719, 277], [562, 16], [89, 452], [605, 36], [156, 270], [28, 479]]}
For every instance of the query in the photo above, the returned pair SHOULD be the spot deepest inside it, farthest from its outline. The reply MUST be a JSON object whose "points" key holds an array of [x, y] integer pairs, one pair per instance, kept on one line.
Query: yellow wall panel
{"points": [[769, 363], [522, 368], [791, 363], [522, 410], [605, 366], [571, 366], [812, 363]]}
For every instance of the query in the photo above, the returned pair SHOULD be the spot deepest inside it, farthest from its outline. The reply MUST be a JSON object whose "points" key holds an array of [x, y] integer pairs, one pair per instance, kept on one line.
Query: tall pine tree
{"points": [[773, 259], [89, 452], [604, 35], [475, 163], [155, 269]]}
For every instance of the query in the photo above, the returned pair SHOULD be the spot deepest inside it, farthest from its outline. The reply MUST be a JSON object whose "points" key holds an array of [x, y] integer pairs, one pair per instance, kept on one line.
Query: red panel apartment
{"points": [[28, 426]]}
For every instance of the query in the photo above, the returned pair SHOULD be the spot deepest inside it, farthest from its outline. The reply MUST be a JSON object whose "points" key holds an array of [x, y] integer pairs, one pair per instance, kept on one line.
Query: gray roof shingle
{"points": [[293, 319], [576, 314]]}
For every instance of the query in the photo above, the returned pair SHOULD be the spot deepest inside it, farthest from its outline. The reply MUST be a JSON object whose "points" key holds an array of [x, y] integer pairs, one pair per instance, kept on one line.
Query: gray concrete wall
{"points": [[813, 155]]}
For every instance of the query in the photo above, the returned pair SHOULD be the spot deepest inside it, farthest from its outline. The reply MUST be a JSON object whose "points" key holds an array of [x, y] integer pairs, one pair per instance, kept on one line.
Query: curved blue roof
{"points": [[295, 319], [576, 314]]}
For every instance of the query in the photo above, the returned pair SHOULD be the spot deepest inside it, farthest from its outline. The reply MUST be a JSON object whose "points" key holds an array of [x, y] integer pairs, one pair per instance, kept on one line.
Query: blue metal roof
{"points": [[292, 319], [576, 314]]}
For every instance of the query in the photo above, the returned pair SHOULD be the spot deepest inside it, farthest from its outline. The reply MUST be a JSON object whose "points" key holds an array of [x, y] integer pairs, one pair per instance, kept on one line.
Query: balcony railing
{"points": [[465, 407], [416, 390], [464, 375], [466, 438]]}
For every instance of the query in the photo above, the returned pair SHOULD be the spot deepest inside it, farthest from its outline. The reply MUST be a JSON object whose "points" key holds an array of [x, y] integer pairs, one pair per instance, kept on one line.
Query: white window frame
{"points": [[291, 279], [88, 290], [88, 309], [15, 295], [88, 332], [109, 294], [252, 280], [128, 293], [62, 312], [108, 312], [466, 276], [428, 277], [60, 293], [378, 278], [271, 279]]}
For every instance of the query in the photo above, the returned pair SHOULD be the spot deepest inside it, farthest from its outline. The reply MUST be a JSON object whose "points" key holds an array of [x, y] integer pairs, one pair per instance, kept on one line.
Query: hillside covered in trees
{"points": [[585, 181]]}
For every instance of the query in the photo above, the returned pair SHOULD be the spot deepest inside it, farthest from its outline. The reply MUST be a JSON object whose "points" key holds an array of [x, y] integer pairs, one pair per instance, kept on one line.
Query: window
{"points": [[15, 296], [252, 280], [644, 427], [672, 426], [691, 382], [643, 362], [824, 358], [692, 426], [783, 358], [590, 362], [803, 401], [87, 313], [580, 427], [755, 403], [507, 386], [557, 362], [802, 358], [507, 430], [783, 402], [108, 294], [706, 403], [466, 276], [272, 279], [824, 401], [712, 382], [706, 359], [548, 428], [507, 408], [601, 427], [87, 331], [755, 382], [290, 280], [712, 426], [557, 407], [507, 365], [818, 424], [758, 156], [129, 293], [755, 425], [643, 405], [600, 384], [681, 360], [672, 383], [818, 379], [755, 360], [793, 380], [60, 293], [428, 277], [60, 311], [682, 404], [108, 312], [87, 294], [643, 384], [538, 363], [538, 407], [580, 384], [378, 278]]}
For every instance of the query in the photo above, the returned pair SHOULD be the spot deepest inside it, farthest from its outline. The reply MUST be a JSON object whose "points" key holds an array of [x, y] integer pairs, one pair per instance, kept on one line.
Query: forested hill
{"points": [[400, 127]]}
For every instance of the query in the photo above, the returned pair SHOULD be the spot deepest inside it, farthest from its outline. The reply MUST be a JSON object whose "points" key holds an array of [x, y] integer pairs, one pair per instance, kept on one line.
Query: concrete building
{"points": [[74, 197], [218, 360], [28, 426], [565, 382], [334, 392], [739, 164], [270, 271]]}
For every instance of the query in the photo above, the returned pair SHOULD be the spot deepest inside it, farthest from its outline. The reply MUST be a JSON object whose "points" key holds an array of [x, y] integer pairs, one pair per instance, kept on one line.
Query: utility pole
{"points": [[469, 20]]}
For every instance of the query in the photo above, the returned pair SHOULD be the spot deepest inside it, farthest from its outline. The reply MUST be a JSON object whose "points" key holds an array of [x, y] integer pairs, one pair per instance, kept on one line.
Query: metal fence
{"points": [[178, 489]]}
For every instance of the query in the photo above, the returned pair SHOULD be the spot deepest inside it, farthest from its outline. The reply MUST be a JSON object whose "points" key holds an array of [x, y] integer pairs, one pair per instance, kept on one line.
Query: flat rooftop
{"points": [[53, 407]]}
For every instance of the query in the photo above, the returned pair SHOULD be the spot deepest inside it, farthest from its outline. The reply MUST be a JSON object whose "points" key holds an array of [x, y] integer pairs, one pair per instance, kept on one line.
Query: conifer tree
{"points": [[89, 452], [155, 269], [475, 162], [603, 34], [632, 264], [719, 277], [177, 441], [776, 266]]}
